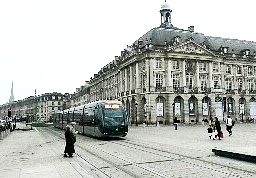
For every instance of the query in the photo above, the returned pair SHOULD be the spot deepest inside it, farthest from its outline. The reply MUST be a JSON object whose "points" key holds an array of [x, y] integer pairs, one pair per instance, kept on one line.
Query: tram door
{"points": [[219, 110]]}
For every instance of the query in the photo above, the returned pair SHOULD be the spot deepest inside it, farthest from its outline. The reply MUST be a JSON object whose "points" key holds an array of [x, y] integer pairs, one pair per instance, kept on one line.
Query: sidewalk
{"points": [[25, 154]]}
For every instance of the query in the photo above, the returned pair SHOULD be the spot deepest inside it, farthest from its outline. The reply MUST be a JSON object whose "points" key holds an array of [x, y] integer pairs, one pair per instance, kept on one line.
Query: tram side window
{"points": [[77, 117]]}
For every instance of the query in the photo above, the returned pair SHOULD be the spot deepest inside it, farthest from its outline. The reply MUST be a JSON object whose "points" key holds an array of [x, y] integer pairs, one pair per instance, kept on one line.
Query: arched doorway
{"points": [[178, 109], [230, 106], [160, 108], [206, 108], [252, 108], [218, 108], [242, 106], [193, 109]]}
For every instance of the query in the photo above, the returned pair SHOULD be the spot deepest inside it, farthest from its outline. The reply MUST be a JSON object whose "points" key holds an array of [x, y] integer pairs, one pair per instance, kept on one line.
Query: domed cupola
{"points": [[165, 6], [165, 15]]}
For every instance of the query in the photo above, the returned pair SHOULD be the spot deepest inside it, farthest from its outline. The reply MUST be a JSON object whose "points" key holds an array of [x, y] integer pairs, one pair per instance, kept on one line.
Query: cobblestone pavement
{"points": [[26, 154]]}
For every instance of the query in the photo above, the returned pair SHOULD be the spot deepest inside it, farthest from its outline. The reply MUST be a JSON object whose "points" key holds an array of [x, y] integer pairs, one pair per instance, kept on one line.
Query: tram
{"points": [[105, 118]]}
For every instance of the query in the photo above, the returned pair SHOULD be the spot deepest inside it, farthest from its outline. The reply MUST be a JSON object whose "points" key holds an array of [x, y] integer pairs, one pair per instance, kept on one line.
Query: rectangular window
{"points": [[203, 79], [240, 84], [249, 70], [175, 65], [216, 82], [176, 81], [159, 81], [250, 85], [228, 69], [202, 67], [239, 70], [189, 81], [228, 84], [158, 64], [215, 67]]}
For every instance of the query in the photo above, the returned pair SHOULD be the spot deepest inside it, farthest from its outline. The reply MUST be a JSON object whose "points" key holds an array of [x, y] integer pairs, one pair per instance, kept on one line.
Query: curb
{"points": [[234, 155]]}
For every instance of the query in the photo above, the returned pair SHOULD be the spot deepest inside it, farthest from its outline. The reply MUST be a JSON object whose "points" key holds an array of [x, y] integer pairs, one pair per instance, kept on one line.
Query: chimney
{"points": [[191, 29]]}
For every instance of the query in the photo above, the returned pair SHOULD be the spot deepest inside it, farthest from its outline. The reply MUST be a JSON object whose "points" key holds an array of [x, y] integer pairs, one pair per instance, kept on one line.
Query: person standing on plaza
{"points": [[218, 128], [70, 140], [229, 123], [72, 128], [211, 128]]}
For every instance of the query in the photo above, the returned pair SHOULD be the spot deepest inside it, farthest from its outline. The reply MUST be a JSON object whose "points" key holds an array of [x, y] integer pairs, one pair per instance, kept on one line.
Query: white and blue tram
{"points": [[105, 118]]}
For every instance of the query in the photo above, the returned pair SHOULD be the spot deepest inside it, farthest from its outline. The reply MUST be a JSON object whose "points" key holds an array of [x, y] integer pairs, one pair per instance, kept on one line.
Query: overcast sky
{"points": [[57, 45]]}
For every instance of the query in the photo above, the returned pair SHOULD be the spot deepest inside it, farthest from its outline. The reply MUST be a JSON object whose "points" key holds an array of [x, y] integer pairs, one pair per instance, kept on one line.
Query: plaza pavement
{"points": [[22, 154]]}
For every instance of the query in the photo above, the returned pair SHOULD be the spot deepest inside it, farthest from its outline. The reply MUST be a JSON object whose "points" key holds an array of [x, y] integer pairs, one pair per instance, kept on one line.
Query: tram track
{"points": [[112, 161], [118, 163], [145, 147]]}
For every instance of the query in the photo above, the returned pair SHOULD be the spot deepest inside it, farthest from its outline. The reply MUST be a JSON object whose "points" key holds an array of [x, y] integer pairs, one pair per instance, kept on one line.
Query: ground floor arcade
{"points": [[188, 108]]}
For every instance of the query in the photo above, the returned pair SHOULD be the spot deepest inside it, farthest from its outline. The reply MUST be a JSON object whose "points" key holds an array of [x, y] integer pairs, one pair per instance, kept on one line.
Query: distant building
{"points": [[37, 108], [170, 72]]}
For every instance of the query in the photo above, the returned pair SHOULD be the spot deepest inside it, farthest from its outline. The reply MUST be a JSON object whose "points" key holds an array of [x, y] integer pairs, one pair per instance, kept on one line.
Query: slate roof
{"points": [[160, 35]]}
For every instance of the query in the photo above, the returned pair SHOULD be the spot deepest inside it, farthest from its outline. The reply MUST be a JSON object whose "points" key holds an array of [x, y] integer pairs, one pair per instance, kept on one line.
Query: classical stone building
{"points": [[170, 72], [36, 108]]}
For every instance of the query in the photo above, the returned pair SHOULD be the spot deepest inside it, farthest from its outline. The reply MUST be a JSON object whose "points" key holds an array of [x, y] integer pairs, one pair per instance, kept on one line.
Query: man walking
{"points": [[229, 125]]}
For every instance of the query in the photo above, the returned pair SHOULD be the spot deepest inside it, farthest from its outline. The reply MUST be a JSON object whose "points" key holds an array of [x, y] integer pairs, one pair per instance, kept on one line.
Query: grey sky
{"points": [[57, 45]]}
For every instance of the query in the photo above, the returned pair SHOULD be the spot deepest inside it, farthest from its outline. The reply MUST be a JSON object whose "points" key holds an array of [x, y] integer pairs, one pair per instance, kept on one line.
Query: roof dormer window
{"points": [[223, 50], [176, 40], [247, 52]]}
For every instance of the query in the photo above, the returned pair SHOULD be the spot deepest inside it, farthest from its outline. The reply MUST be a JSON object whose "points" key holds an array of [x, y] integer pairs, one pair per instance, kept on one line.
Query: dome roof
{"points": [[158, 36], [165, 6]]}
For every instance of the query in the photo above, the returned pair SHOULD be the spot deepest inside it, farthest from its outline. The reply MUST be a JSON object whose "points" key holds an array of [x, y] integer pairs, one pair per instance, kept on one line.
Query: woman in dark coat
{"points": [[218, 127], [70, 140]]}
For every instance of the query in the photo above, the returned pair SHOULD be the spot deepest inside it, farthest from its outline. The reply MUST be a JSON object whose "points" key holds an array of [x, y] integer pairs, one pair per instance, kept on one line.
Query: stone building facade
{"points": [[36, 108], [170, 72]]}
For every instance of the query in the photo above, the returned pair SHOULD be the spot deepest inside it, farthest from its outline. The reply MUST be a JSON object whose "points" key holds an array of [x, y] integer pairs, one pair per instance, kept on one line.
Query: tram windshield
{"points": [[113, 114]]}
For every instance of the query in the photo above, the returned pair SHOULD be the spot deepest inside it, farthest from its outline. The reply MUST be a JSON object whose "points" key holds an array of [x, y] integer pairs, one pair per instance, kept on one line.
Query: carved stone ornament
{"points": [[191, 48]]}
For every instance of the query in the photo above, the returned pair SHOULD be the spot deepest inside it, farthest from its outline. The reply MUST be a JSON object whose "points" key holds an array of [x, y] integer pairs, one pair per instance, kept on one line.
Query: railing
{"points": [[179, 90], [160, 89]]}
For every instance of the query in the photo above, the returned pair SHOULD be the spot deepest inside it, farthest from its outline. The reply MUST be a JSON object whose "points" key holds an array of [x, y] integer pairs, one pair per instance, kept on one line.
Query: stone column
{"points": [[184, 75], [222, 74], [197, 76], [147, 68], [200, 109], [210, 76], [186, 110], [125, 81], [169, 84], [138, 79], [131, 79]]}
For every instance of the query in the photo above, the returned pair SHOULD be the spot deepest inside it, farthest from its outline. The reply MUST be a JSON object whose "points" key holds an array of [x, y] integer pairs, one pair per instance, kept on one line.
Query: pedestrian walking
{"points": [[70, 141], [229, 124], [218, 128]]}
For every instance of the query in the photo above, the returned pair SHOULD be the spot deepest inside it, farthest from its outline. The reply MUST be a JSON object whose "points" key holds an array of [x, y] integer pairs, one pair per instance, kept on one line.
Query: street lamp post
{"points": [[136, 105]]}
